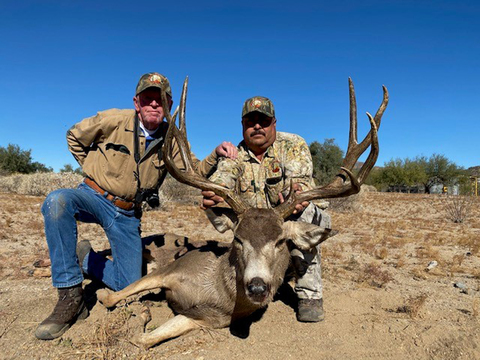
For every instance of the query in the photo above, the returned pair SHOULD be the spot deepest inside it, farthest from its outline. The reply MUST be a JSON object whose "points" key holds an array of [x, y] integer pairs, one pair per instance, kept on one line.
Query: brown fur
{"points": [[206, 286]]}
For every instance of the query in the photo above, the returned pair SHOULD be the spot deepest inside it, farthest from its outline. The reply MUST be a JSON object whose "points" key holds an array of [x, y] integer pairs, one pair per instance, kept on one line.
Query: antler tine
{"points": [[352, 136], [374, 150], [183, 101], [338, 187], [171, 120], [378, 118], [189, 176]]}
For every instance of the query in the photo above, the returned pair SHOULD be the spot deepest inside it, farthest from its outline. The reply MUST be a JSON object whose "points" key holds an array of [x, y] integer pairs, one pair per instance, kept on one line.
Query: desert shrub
{"points": [[173, 191], [351, 203], [345, 205], [374, 276], [413, 305], [39, 184], [458, 207]]}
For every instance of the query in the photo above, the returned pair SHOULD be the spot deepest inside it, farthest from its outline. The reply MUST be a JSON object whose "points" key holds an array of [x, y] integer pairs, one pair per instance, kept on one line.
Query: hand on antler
{"points": [[210, 199], [297, 189]]}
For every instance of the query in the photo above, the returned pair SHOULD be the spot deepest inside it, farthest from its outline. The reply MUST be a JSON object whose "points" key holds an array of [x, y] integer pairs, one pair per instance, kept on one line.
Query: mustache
{"points": [[258, 132]]}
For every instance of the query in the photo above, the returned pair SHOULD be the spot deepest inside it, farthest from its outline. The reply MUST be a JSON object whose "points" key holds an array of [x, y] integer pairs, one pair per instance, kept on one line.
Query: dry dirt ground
{"points": [[380, 301]]}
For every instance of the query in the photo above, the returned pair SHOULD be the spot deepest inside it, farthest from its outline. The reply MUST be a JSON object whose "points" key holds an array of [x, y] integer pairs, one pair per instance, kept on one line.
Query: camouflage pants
{"points": [[307, 264]]}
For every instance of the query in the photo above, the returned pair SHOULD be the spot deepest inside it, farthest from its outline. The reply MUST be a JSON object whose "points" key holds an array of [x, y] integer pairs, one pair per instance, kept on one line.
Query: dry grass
{"points": [[373, 275], [386, 243], [39, 184], [107, 335], [172, 193], [413, 306]]}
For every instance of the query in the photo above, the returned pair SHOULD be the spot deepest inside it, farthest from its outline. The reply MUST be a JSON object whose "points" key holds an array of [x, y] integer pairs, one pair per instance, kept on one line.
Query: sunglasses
{"points": [[263, 121]]}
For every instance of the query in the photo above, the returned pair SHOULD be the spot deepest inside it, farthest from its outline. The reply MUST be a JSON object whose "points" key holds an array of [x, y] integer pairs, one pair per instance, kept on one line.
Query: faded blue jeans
{"points": [[61, 211]]}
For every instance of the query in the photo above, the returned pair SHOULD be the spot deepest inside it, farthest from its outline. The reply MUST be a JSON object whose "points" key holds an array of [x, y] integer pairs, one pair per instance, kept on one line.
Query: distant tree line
{"points": [[419, 172], [406, 174], [327, 158], [14, 160]]}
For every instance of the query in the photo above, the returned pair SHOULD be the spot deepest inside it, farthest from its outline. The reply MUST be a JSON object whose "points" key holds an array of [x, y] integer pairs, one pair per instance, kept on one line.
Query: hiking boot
{"points": [[310, 310], [69, 308], [83, 248]]}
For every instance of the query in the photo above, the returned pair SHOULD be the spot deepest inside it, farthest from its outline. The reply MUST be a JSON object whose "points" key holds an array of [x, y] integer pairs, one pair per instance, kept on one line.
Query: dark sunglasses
{"points": [[263, 121]]}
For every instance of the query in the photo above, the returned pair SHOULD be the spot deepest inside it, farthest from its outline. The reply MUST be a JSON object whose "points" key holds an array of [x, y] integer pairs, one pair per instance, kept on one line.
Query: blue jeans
{"points": [[61, 210]]}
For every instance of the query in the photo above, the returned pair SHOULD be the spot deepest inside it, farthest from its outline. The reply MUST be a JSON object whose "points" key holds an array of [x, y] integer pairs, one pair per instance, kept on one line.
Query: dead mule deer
{"points": [[207, 289]]}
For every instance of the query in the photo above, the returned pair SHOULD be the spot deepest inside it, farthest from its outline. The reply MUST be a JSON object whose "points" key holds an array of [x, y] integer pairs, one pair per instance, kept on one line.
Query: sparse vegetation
{"points": [[458, 207], [413, 305], [375, 279], [373, 275]]}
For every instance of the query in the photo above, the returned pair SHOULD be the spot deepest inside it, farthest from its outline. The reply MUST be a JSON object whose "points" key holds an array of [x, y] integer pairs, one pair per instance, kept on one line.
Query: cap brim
{"points": [[260, 111]]}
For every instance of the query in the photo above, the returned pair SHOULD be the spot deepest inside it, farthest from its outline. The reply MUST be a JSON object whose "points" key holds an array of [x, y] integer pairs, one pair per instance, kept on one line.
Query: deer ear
{"points": [[305, 236], [222, 219]]}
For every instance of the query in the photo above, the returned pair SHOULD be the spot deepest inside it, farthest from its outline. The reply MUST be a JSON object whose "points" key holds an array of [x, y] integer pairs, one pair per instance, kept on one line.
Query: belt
{"points": [[122, 204]]}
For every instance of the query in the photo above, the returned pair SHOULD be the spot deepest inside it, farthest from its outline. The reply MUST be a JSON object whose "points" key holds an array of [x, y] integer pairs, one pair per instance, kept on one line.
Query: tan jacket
{"points": [[104, 146]]}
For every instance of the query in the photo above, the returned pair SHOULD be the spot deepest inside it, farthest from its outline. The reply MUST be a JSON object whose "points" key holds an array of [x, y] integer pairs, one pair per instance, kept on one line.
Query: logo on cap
{"points": [[156, 79], [256, 103]]}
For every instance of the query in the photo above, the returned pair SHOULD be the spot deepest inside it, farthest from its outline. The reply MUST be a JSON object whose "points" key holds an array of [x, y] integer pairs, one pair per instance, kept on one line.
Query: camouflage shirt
{"points": [[260, 182]]}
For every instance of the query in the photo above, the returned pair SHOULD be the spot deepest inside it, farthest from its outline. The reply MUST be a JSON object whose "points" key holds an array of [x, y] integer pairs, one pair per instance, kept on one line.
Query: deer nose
{"points": [[257, 286]]}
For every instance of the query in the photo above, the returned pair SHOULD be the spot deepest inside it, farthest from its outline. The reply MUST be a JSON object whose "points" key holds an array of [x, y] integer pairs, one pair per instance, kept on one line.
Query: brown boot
{"points": [[69, 308], [310, 310]]}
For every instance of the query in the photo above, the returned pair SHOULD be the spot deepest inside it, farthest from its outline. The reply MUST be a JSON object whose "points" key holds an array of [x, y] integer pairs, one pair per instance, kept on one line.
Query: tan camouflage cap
{"points": [[260, 104], [153, 79]]}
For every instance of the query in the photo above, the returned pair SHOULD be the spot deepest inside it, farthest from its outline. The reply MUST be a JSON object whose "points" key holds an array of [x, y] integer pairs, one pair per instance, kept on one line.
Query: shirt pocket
{"points": [[274, 185], [245, 184], [117, 156]]}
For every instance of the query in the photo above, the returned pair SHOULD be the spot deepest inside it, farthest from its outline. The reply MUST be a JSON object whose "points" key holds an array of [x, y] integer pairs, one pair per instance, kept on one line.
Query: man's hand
{"points": [[297, 188], [210, 199], [227, 149]]}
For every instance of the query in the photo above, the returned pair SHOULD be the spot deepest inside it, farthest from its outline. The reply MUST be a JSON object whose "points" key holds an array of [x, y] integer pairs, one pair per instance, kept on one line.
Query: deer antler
{"points": [[339, 187], [189, 176]]}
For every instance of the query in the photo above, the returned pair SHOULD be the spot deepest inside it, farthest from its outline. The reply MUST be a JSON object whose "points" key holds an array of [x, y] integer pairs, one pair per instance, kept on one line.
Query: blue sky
{"points": [[62, 61]]}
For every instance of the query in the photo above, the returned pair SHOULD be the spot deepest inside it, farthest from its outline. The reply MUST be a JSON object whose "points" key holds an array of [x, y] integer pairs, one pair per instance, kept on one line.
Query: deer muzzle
{"points": [[257, 290]]}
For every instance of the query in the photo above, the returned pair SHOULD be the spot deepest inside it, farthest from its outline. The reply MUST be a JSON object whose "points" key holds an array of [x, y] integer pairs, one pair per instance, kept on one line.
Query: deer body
{"points": [[212, 288]]}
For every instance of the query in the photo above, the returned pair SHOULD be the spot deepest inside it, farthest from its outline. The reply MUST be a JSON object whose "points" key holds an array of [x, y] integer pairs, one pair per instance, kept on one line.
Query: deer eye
{"points": [[280, 243]]}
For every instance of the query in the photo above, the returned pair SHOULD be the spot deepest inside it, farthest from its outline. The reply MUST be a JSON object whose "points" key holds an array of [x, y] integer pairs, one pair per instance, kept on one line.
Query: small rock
{"points": [[431, 265], [40, 272], [42, 263], [463, 288]]}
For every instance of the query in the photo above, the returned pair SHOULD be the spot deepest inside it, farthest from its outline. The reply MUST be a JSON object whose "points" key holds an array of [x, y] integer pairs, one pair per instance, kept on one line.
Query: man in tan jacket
{"points": [[120, 152]]}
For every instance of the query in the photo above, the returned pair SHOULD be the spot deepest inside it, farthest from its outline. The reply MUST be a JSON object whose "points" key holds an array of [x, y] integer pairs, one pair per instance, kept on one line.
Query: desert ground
{"points": [[382, 299]]}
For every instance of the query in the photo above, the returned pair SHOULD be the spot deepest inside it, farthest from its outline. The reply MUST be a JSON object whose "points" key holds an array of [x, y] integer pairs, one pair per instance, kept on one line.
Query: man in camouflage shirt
{"points": [[267, 161], [120, 152]]}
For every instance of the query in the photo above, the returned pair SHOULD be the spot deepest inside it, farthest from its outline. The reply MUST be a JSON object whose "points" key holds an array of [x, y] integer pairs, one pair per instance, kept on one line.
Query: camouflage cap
{"points": [[153, 79], [260, 104]]}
